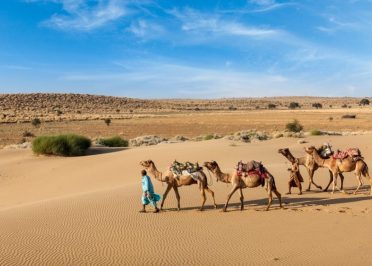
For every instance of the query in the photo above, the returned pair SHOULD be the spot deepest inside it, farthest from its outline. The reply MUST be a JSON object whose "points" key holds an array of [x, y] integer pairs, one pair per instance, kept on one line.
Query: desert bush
{"points": [[232, 108], [58, 112], [349, 116], [61, 145], [294, 126], [36, 122], [271, 106], [344, 106], [115, 141], [364, 101], [27, 134], [208, 137], [107, 121], [294, 105], [317, 105], [316, 132], [330, 118]]}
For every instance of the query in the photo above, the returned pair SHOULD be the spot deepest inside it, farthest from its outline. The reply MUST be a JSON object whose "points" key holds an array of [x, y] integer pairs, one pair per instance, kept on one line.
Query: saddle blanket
{"points": [[193, 175], [352, 152]]}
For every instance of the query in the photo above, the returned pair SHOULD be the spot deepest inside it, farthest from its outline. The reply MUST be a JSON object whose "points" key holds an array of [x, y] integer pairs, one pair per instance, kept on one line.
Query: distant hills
{"points": [[55, 106]]}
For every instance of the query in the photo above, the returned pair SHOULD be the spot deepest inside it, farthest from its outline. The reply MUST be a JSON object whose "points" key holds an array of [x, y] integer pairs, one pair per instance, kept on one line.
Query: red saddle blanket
{"points": [[253, 172], [352, 152]]}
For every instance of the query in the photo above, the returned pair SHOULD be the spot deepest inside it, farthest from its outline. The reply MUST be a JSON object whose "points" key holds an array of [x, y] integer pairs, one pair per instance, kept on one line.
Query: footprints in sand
{"points": [[329, 209]]}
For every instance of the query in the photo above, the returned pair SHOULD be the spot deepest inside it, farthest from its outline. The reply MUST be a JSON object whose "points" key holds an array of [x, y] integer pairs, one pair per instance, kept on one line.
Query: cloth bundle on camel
{"points": [[325, 151], [251, 168], [354, 153], [186, 168]]}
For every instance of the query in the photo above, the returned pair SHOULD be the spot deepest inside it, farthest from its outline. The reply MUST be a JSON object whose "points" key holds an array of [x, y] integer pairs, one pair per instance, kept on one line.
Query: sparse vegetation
{"points": [[115, 141], [317, 105], [107, 121], [344, 106], [59, 112], [27, 134], [232, 108], [271, 106], [364, 101], [36, 122], [208, 137], [61, 145], [316, 132], [294, 105], [330, 118], [294, 126]]}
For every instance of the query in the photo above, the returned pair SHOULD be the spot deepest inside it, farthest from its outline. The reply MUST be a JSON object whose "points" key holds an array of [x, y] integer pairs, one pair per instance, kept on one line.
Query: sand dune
{"points": [[85, 211]]}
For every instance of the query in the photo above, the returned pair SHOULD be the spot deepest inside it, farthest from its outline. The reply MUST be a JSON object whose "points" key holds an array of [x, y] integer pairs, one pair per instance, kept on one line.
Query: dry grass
{"points": [[191, 124]]}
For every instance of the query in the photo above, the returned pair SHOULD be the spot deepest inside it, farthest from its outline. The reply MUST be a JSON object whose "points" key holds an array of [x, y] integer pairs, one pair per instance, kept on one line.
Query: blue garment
{"points": [[148, 189]]}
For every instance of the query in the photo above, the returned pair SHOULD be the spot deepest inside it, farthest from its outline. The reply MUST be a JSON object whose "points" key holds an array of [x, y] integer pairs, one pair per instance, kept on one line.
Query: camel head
{"points": [[283, 151], [211, 166], [310, 150], [146, 164]]}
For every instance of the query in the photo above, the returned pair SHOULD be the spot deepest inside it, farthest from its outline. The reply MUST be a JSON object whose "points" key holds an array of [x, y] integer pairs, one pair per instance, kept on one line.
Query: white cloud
{"points": [[146, 29], [193, 21], [85, 15], [177, 80]]}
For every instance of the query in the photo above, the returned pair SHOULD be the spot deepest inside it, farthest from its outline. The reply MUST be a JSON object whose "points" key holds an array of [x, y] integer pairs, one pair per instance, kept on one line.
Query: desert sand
{"points": [[84, 210]]}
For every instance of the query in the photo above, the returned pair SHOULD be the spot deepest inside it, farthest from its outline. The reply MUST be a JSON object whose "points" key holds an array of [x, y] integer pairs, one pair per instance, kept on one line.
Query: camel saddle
{"points": [[251, 168], [354, 153], [184, 168]]}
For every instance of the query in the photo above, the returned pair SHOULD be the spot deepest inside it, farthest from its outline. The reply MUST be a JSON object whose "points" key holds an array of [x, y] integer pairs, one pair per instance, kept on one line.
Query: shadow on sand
{"points": [[102, 150], [288, 202]]}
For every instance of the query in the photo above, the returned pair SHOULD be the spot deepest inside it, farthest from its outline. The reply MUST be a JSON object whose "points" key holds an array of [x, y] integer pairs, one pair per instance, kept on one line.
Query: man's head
{"points": [[143, 172]]}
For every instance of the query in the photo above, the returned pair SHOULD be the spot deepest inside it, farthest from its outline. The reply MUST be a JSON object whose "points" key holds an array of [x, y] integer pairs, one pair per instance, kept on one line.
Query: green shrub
{"points": [[294, 126], [36, 122], [61, 145], [364, 101], [107, 121], [294, 105], [208, 137], [316, 132], [115, 141]]}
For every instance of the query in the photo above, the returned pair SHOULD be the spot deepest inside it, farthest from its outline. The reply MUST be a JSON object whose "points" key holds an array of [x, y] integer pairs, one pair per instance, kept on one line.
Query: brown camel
{"points": [[311, 166], [337, 166], [240, 182], [174, 182]]}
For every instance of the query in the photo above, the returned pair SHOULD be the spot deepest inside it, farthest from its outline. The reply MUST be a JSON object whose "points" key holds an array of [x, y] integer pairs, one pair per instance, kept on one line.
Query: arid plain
{"points": [[84, 210]]}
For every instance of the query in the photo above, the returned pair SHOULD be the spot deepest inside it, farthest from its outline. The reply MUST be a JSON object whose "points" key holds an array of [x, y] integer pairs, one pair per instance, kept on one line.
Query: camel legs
{"points": [[270, 193], [331, 179], [235, 188], [204, 198], [311, 181], [335, 184], [360, 183], [175, 188], [212, 194], [279, 196], [241, 199], [165, 196]]}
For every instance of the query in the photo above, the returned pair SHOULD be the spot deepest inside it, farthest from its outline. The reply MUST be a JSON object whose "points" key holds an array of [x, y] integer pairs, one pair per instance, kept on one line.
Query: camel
{"points": [[337, 166], [311, 166], [240, 182], [173, 182]]}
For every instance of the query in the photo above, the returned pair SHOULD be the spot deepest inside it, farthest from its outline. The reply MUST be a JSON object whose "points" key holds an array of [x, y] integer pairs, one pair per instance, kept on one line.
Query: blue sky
{"points": [[187, 49]]}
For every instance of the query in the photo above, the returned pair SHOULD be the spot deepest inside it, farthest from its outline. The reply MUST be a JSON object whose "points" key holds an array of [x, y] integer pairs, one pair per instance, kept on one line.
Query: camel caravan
{"points": [[253, 174]]}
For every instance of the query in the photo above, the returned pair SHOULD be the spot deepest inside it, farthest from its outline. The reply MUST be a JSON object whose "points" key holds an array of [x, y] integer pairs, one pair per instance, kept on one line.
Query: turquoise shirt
{"points": [[147, 184]]}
